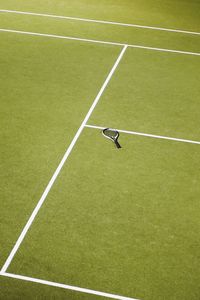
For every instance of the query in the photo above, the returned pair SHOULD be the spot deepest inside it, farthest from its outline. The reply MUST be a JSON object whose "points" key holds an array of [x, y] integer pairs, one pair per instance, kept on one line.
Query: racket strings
{"points": [[111, 133]]}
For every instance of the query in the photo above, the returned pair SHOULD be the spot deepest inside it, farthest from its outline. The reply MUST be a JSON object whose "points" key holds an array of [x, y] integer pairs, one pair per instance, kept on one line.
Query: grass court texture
{"points": [[81, 219]]}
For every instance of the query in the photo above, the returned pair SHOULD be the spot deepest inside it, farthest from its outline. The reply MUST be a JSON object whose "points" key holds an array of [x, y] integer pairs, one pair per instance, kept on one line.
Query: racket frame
{"points": [[114, 139]]}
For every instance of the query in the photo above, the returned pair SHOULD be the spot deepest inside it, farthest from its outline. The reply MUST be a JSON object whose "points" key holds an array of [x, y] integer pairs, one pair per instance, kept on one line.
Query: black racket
{"points": [[113, 135]]}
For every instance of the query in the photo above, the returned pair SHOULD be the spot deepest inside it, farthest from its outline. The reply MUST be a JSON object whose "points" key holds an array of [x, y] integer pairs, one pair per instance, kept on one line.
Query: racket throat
{"points": [[117, 144]]}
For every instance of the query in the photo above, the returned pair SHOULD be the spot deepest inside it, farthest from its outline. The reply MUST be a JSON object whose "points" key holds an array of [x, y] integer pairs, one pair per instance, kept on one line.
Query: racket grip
{"points": [[117, 144]]}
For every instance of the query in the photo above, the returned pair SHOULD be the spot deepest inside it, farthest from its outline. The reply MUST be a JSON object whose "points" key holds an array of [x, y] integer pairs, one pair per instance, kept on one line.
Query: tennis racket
{"points": [[113, 135]]}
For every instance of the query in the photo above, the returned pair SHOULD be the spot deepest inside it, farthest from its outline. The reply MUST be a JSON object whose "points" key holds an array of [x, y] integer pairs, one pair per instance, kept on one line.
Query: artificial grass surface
{"points": [[124, 221], [121, 221], [16, 289], [162, 90], [43, 102], [168, 13], [103, 32]]}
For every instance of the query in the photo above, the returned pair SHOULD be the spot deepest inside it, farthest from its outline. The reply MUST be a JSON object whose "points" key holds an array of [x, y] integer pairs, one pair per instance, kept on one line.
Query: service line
{"points": [[97, 41], [146, 134]]}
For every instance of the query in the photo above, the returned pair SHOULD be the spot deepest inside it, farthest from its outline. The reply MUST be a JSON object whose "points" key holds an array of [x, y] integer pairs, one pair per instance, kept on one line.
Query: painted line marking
{"points": [[67, 153], [67, 287], [99, 21], [97, 41], [60, 37], [147, 135]]}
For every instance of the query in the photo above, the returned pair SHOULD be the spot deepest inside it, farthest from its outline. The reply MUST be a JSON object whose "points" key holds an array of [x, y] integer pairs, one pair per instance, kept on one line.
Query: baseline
{"points": [[99, 21], [67, 287], [56, 173], [147, 135], [97, 41]]}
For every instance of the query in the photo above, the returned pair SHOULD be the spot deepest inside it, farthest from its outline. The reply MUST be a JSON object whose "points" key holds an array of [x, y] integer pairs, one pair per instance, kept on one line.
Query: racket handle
{"points": [[117, 144]]}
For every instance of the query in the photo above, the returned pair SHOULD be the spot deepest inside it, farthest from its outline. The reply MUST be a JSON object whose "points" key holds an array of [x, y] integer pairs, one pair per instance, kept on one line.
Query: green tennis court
{"points": [[81, 219]]}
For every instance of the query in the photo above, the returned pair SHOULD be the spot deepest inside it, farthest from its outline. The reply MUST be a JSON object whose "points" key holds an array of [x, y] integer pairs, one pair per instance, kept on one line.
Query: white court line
{"points": [[67, 287], [99, 21], [61, 37], [147, 135], [67, 153], [97, 41]]}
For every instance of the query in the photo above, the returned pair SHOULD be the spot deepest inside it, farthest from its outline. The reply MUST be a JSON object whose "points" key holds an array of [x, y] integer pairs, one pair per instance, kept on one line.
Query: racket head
{"points": [[111, 134]]}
